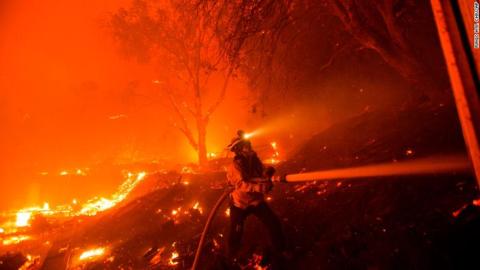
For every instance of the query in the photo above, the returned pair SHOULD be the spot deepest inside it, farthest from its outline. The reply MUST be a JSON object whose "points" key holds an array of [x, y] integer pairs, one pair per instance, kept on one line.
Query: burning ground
{"points": [[155, 219]]}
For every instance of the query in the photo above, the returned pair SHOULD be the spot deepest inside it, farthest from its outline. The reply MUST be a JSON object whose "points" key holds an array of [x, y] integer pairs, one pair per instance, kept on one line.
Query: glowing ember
{"points": [[92, 254], [197, 207], [275, 156], [63, 173], [476, 202], [2, 230], [227, 212], [172, 260], [80, 172], [461, 209], [212, 155], [13, 240], [255, 262]]}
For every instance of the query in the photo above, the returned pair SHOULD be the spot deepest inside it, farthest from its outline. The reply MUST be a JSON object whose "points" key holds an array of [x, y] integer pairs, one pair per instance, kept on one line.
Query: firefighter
{"points": [[251, 181]]}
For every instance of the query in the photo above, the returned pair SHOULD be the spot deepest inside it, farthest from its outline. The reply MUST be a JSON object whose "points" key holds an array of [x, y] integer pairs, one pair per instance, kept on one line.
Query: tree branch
{"points": [[184, 129], [221, 97], [334, 55]]}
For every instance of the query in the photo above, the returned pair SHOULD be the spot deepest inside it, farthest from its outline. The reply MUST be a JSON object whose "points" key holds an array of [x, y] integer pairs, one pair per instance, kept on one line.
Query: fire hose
{"points": [[415, 167], [212, 214]]}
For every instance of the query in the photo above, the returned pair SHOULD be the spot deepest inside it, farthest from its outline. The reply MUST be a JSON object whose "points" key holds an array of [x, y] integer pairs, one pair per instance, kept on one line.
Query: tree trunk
{"points": [[202, 146]]}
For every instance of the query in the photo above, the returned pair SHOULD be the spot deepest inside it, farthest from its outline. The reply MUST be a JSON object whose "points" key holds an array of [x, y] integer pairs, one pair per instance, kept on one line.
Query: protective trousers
{"points": [[263, 212]]}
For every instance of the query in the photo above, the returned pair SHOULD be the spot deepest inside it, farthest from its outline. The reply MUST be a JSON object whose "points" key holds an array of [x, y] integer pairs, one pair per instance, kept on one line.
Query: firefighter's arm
{"points": [[234, 177]]}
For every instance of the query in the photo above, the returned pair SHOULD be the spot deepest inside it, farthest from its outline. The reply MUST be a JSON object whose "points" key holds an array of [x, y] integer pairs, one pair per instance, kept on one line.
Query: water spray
{"points": [[430, 165]]}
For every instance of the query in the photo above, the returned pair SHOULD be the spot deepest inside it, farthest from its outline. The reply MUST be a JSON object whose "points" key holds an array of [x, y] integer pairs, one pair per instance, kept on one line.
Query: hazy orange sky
{"points": [[62, 82]]}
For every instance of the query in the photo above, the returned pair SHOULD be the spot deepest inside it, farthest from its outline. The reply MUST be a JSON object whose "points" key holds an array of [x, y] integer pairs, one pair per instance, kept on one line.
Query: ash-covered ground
{"points": [[401, 222]]}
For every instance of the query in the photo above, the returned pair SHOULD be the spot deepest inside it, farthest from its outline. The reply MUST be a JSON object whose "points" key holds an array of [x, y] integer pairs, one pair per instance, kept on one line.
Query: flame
{"points": [[227, 212], [90, 208], [92, 253], [23, 219], [94, 206], [172, 259], [63, 173], [13, 240], [31, 261], [23, 216]]}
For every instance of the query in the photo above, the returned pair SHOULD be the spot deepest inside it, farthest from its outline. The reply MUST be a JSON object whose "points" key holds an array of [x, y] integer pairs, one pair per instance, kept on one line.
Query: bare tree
{"points": [[182, 43], [381, 26], [193, 41], [388, 27]]}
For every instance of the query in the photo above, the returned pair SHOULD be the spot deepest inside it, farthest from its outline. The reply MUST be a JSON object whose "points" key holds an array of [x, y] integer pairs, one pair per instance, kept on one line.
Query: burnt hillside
{"points": [[372, 223]]}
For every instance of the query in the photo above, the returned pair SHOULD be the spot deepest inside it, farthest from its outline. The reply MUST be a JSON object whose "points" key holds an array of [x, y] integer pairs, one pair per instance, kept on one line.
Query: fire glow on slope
{"points": [[101, 204], [90, 208]]}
